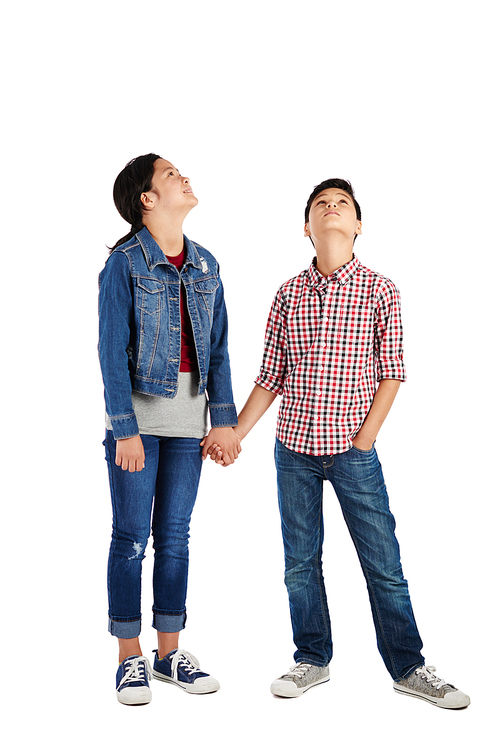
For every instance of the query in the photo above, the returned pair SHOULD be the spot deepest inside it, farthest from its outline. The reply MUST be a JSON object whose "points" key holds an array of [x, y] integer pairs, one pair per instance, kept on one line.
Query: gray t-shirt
{"points": [[182, 416]]}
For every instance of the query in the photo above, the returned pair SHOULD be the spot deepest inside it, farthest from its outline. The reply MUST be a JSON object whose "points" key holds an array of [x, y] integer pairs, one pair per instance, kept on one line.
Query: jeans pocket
{"points": [[363, 452]]}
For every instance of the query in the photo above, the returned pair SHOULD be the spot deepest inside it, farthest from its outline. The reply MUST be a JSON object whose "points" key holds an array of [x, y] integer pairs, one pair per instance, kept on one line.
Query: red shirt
{"points": [[328, 342], [189, 360]]}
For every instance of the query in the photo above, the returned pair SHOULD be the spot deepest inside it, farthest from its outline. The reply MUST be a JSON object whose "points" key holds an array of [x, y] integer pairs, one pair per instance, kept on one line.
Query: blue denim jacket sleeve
{"points": [[116, 323], [219, 388]]}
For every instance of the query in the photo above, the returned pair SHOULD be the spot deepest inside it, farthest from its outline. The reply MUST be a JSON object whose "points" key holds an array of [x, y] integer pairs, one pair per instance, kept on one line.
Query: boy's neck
{"points": [[333, 255]]}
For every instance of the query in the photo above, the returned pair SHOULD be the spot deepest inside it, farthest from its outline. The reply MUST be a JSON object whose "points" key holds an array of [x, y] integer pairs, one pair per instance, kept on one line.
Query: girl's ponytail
{"points": [[132, 181], [132, 232]]}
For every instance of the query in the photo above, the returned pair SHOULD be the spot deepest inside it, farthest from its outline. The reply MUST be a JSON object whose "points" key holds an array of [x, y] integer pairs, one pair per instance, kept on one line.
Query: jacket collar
{"points": [[341, 276], [154, 255]]}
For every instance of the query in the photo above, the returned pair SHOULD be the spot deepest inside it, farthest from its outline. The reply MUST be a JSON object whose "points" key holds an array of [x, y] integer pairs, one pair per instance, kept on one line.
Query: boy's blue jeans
{"points": [[356, 476], [170, 477]]}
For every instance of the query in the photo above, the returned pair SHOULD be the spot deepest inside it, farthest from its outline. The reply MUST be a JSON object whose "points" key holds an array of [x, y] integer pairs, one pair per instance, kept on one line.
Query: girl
{"points": [[163, 349]]}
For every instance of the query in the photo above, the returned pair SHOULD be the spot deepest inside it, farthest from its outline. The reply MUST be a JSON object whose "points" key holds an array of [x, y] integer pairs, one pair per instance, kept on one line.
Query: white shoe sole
{"points": [[289, 689], [458, 700], [203, 685], [134, 696]]}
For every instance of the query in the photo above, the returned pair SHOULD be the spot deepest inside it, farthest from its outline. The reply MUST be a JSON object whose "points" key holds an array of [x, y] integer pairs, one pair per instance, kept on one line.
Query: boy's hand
{"points": [[222, 444], [362, 442], [130, 454]]}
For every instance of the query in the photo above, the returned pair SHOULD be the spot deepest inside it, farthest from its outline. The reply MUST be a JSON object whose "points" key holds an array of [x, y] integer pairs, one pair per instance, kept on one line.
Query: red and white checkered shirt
{"points": [[328, 342]]}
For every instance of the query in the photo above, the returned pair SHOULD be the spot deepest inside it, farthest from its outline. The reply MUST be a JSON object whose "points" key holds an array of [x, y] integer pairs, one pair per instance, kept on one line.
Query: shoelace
{"points": [[428, 672], [300, 670], [185, 660], [135, 670]]}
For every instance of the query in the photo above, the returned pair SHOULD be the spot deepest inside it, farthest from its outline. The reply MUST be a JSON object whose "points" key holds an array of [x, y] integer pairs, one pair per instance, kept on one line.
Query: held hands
{"points": [[222, 444]]}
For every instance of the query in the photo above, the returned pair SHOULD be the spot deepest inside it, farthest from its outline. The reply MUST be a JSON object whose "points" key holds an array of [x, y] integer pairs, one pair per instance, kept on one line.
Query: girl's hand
{"points": [[215, 452], [130, 454]]}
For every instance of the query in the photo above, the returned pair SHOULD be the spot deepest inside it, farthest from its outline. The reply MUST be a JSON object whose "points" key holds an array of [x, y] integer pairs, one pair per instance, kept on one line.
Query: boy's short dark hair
{"points": [[340, 184]]}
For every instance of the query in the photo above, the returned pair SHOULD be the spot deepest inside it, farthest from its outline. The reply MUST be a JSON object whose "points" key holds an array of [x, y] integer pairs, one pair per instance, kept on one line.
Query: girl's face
{"points": [[170, 191]]}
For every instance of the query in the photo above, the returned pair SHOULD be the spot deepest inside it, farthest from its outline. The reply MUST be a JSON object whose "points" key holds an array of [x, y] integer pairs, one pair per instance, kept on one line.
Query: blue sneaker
{"points": [[132, 681], [182, 669]]}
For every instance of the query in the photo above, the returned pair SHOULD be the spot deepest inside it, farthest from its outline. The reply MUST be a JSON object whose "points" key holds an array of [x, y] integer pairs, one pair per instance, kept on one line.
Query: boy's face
{"points": [[332, 212]]}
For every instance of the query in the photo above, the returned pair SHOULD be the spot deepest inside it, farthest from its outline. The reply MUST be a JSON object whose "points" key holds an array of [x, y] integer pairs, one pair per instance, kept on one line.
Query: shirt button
{"points": [[318, 392]]}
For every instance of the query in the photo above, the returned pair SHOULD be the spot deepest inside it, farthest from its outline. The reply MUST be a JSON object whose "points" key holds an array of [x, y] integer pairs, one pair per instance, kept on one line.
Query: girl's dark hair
{"points": [[340, 184], [132, 181]]}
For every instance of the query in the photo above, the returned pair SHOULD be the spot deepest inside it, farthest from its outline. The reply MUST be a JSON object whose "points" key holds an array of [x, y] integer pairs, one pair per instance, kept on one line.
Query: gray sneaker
{"points": [[299, 679], [424, 684]]}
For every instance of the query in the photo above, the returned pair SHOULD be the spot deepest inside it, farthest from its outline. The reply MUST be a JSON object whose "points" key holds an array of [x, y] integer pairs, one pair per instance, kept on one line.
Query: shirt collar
{"points": [[154, 255], [341, 276]]}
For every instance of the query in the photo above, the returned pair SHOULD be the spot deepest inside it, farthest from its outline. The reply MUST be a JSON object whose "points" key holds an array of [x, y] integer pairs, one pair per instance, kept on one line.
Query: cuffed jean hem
{"points": [[409, 671], [124, 630], [169, 622], [298, 659]]}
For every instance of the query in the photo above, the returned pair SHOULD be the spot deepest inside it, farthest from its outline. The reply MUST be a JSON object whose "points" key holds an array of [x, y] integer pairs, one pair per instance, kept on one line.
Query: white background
{"points": [[256, 104]]}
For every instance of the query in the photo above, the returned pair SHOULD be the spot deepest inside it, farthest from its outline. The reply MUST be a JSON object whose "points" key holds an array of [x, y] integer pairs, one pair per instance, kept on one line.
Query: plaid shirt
{"points": [[328, 342]]}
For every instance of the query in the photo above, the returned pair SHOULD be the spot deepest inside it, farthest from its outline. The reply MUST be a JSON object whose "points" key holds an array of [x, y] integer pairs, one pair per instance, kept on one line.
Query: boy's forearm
{"points": [[382, 402], [257, 404]]}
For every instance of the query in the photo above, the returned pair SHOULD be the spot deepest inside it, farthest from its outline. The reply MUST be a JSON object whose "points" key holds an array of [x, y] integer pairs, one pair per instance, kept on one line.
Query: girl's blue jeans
{"points": [[357, 479], [160, 498]]}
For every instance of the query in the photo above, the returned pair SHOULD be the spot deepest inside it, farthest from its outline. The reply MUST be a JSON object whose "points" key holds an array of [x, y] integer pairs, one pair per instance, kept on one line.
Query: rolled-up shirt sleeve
{"points": [[389, 334], [272, 371]]}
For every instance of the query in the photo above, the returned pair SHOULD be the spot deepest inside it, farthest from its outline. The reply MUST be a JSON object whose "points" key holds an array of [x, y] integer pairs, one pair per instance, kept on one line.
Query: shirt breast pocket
{"points": [[358, 320], [150, 295]]}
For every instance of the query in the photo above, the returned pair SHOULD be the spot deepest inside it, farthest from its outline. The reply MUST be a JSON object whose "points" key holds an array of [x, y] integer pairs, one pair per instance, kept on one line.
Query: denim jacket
{"points": [[140, 329]]}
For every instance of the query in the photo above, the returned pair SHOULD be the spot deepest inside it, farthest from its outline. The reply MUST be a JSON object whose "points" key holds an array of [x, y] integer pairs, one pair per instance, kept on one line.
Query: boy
{"points": [[333, 350]]}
